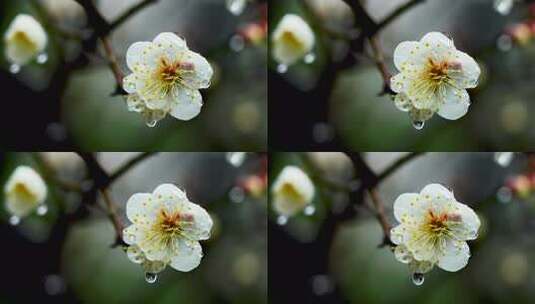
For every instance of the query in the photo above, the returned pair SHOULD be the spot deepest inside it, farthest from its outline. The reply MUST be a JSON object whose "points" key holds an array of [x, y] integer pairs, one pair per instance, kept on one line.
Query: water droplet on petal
{"points": [[151, 277], [14, 68], [236, 195], [42, 210], [42, 58], [503, 7], [237, 43], [282, 220], [282, 68], [418, 124], [310, 210], [418, 278], [236, 158], [236, 7], [309, 58], [14, 220], [503, 158]]}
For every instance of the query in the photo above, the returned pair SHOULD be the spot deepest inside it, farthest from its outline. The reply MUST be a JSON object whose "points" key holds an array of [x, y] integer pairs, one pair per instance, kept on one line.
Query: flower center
{"points": [[440, 224], [173, 223], [291, 40], [22, 39], [290, 193], [23, 193]]}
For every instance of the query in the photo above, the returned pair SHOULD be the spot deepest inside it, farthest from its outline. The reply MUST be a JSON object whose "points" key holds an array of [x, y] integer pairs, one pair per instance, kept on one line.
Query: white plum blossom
{"points": [[24, 191], [292, 40], [433, 230], [166, 79], [24, 39], [292, 191], [433, 78], [166, 230]]}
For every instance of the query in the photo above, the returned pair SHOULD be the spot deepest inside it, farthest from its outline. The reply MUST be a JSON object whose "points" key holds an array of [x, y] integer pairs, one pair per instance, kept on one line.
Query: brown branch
{"points": [[114, 65], [114, 218], [398, 12], [397, 164], [381, 217], [128, 165], [381, 65], [130, 12]]}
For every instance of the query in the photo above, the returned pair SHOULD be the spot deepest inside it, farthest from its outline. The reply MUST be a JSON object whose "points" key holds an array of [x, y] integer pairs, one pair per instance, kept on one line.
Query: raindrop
{"points": [[14, 68], [42, 58], [151, 123], [504, 43], [282, 68], [503, 7], [42, 210], [504, 195], [418, 278], [236, 195], [14, 220], [151, 277], [310, 58], [282, 220], [237, 43], [236, 7], [310, 210], [418, 124], [236, 158], [503, 158]]}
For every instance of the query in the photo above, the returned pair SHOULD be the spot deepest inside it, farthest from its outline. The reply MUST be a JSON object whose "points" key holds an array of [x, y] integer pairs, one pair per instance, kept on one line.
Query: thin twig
{"points": [[112, 61], [381, 216], [381, 66], [397, 164], [398, 12], [130, 12], [128, 165], [114, 217]]}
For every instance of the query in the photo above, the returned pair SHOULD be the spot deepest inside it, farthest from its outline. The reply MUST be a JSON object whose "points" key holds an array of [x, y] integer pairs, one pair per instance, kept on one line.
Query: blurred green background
{"points": [[498, 119], [58, 259], [74, 107], [502, 266]]}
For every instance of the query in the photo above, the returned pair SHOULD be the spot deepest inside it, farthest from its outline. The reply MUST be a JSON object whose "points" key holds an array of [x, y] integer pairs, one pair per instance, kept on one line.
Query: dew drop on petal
{"points": [[237, 43], [14, 68], [282, 220], [14, 220], [42, 210], [418, 278], [310, 58], [236, 7], [418, 124], [42, 58], [236, 159], [503, 7], [503, 158], [282, 68], [236, 195], [151, 277], [310, 210]]}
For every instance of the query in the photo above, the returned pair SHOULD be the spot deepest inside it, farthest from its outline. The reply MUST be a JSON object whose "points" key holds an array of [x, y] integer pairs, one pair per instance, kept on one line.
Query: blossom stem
{"points": [[381, 217], [381, 65], [114, 217]]}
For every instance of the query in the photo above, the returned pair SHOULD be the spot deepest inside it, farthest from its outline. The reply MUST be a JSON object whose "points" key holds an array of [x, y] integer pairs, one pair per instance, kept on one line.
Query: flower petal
{"points": [[456, 255], [202, 72], [187, 256], [436, 191], [407, 53], [403, 102], [403, 255], [135, 54], [137, 208], [470, 70], [434, 39], [129, 83], [167, 39], [456, 104], [470, 220], [186, 104], [408, 207], [202, 223]]}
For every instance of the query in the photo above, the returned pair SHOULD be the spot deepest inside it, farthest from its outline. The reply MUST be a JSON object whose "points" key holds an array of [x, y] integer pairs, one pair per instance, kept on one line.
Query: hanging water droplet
{"points": [[235, 158], [309, 58], [151, 277], [282, 68], [42, 58], [418, 278], [236, 7], [14, 220], [282, 220], [42, 210], [151, 123], [310, 210], [418, 124], [237, 43], [503, 7], [236, 195], [14, 68], [503, 158]]}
